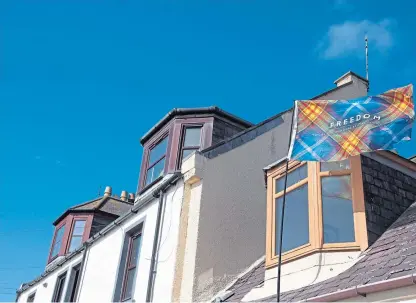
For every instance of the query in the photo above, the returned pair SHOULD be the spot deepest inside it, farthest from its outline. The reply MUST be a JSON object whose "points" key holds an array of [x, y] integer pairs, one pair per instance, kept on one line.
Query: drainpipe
{"points": [[152, 273], [82, 269]]}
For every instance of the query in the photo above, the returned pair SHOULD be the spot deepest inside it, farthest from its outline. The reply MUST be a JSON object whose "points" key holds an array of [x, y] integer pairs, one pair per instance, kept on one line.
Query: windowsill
{"points": [[292, 256]]}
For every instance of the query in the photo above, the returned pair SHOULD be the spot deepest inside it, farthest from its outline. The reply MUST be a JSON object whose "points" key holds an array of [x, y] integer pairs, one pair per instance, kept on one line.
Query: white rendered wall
{"points": [[305, 271], [45, 288], [98, 280]]}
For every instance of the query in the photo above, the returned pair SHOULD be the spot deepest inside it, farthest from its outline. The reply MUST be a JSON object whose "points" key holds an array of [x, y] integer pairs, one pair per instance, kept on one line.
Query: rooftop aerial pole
{"points": [[366, 63]]}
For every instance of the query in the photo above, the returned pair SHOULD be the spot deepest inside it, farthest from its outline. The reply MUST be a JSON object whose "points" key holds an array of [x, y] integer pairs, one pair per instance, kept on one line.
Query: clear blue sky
{"points": [[81, 81]]}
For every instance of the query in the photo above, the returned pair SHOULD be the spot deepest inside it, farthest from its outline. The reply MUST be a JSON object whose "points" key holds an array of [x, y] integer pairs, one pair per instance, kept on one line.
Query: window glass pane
{"points": [[75, 284], [186, 153], [135, 251], [58, 241], [76, 242], [293, 177], [79, 226], [158, 151], [155, 172], [31, 298], [192, 136], [296, 221], [129, 283], [337, 209], [336, 165]]}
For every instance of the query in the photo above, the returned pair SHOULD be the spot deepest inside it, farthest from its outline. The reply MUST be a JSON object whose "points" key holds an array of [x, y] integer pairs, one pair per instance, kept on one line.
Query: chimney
{"points": [[350, 77], [131, 197], [123, 196], [107, 191]]}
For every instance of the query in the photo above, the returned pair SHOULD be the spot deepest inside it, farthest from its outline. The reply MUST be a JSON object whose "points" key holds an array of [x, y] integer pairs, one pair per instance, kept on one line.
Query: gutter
{"points": [[165, 184], [364, 290]]}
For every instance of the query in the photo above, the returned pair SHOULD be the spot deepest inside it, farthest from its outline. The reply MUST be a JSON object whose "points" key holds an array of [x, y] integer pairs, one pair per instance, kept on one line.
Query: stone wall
{"points": [[387, 194]]}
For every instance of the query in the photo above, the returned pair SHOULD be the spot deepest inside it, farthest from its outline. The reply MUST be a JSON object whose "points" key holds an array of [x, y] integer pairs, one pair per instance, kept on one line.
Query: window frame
{"points": [[83, 237], [313, 179], [127, 268], [72, 289], [182, 146], [149, 149], [60, 281], [57, 228]]}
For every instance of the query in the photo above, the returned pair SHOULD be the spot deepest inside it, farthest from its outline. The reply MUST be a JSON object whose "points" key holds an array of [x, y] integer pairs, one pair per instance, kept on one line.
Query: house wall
{"points": [[98, 279], [45, 288], [231, 233], [388, 192]]}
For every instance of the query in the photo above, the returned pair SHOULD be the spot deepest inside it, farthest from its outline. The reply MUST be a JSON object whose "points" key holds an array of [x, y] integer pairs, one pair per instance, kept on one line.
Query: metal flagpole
{"points": [[279, 264], [366, 63]]}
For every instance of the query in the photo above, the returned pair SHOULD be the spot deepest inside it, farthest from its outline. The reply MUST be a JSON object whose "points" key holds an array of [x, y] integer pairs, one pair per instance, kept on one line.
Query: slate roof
{"points": [[107, 204], [393, 255]]}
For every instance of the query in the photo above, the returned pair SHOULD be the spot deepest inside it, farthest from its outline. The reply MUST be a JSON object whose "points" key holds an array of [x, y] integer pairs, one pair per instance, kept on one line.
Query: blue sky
{"points": [[81, 81]]}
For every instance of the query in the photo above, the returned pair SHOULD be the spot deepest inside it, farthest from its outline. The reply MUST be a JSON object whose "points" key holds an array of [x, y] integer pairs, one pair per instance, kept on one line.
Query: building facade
{"points": [[203, 219]]}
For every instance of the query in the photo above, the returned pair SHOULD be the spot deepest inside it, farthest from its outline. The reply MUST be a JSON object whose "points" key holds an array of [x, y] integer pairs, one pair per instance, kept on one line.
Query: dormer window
{"points": [[181, 132], [157, 158], [323, 210]]}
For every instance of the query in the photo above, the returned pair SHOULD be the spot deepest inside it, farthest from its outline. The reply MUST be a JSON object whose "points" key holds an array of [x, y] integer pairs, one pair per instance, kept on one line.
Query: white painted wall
{"points": [[305, 271], [98, 280], [191, 243], [45, 288]]}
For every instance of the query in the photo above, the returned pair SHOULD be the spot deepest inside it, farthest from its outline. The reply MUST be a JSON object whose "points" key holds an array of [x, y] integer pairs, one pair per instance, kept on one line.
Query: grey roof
{"points": [[193, 111], [393, 255], [107, 204]]}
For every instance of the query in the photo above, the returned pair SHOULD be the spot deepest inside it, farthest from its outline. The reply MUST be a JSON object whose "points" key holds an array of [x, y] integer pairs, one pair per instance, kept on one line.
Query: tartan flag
{"points": [[333, 130]]}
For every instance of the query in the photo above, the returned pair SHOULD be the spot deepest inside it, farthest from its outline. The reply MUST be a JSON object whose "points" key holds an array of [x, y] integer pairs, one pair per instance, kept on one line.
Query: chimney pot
{"points": [[107, 191], [131, 197], [123, 196]]}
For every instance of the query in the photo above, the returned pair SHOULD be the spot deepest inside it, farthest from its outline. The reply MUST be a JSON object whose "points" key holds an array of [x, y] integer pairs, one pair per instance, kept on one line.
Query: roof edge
{"points": [[193, 110], [363, 290]]}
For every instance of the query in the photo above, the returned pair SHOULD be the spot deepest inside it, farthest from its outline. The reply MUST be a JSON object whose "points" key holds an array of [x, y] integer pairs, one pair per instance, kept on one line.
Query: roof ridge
{"points": [[85, 203]]}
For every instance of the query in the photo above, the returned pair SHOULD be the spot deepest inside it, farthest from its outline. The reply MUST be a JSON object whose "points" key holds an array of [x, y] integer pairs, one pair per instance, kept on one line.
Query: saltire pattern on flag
{"points": [[333, 130]]}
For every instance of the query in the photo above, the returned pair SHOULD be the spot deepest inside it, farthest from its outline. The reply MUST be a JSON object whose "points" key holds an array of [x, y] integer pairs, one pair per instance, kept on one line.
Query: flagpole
{"points": [[279, 264]]}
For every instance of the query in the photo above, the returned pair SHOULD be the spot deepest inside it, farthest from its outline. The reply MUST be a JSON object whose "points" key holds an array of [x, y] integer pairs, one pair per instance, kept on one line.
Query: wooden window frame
{"points": [[84, 236], [148, 151], [60, 281], [57, 228], [128, 267], [313, 180], [182, 146], [68, 223]]}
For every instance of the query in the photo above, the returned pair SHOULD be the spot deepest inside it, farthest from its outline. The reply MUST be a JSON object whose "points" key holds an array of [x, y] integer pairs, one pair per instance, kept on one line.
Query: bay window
{"points": [[323, 211]]}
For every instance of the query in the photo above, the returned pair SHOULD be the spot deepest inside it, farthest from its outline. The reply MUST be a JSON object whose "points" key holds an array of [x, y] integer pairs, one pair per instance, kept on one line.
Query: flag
{"points": [[333, 130]]}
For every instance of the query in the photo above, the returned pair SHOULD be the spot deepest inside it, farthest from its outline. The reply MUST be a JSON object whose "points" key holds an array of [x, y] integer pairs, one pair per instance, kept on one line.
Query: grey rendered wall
{"points": [[233, 209], [232, 227]]}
